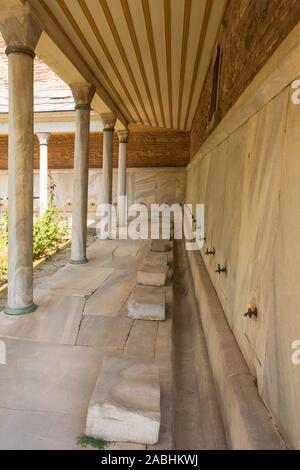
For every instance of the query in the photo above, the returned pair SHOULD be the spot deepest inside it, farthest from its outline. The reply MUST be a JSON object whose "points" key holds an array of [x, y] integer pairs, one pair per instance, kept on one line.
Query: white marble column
{"points": [[122, 206], [109, 121], [43, 140], [83, 95], [21, 31]]}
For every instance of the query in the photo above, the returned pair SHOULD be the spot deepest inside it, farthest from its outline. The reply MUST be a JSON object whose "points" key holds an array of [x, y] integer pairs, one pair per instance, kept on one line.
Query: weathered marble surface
{"points": [[159, 246], [125, 405], [56, 320], [147, 303], [110, 332], [156, 259], [249, 184], [173, 186], [44, 401], [109, 299], [78, 280], [83, 94], [152, 275]]}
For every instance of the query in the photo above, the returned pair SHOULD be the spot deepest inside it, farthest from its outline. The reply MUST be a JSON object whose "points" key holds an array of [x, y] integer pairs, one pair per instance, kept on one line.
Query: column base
{"points": [[19, 311], [78, 261]]}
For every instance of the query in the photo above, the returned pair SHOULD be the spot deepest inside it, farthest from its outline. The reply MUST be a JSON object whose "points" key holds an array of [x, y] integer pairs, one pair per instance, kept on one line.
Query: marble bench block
{"points": [[159, 246], [152, 275], [125, 405], [156, 259], [147, 303]]}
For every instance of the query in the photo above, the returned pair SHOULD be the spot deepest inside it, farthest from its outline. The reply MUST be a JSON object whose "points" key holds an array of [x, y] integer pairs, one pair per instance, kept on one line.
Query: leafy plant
{"points": [[84, 441], [3, 269], [48, 231], [4, 229]]}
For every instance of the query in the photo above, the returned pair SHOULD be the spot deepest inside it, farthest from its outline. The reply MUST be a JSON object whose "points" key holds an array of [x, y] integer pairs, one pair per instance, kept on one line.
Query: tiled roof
{"points": [[50, 92]]}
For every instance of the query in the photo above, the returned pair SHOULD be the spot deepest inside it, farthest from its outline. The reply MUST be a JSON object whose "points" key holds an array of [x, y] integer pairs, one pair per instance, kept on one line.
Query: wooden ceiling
{"points": [[148, 58]]}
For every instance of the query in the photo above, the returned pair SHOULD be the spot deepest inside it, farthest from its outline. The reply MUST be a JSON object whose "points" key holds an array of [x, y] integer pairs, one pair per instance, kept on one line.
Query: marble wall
{"points": [[250, 186], [144, 185]]}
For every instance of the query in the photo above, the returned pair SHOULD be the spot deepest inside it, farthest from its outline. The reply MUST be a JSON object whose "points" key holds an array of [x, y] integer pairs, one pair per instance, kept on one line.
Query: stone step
{"points": [[152, 275], [125, 405], [147, 303]]}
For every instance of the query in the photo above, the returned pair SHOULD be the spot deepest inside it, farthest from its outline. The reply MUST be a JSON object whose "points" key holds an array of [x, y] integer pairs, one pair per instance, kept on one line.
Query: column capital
{"points": [[123, 136], [109, 121], [20, 28], [83, 93], [43, 137]]}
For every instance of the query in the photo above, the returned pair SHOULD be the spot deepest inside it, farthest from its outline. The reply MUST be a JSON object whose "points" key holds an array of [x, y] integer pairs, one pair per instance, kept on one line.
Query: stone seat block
{"points": [[147, 303], [125, 405], [159, 246], [152, 275], [156, 259]]}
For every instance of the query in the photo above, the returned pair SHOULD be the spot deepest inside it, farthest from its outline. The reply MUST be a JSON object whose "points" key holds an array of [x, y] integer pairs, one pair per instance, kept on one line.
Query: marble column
{"points": [[83, 95], [122, 206], [21, 31], [43, 140], [109, 121]]}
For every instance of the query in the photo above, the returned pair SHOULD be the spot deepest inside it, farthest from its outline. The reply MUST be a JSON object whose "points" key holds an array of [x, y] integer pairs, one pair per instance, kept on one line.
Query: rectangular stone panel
{"points": [[56, 320], [78, 280]]}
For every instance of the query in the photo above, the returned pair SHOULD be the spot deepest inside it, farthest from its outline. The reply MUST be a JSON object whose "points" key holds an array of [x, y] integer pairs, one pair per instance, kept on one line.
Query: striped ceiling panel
{"points": [[150, 57]]}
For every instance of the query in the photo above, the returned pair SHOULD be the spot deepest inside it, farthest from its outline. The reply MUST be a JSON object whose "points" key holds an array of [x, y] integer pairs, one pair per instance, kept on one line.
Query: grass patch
{"points": [[84, 441]]}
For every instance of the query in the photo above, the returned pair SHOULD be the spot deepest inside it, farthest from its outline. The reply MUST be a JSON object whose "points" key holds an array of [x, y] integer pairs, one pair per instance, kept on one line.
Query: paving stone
{"points": [[109, 299], [152, 275], [147, 303], [108, 332], [142, 339], [125, 405], [39, 430], [48, 378], [56, 320], [79, 280]]}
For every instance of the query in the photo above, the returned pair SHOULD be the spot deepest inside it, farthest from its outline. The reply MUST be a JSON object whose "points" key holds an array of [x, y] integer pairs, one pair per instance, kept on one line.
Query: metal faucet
{"points": [[251, 311], [221, 270]]}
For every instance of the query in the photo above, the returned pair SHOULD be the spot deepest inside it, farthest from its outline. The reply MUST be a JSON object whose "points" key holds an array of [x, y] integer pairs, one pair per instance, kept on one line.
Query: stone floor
{"points": [[55, 354]]}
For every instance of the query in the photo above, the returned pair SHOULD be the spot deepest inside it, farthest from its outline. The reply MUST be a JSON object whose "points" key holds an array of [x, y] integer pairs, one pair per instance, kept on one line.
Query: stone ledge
{"points": [[246, 419]]}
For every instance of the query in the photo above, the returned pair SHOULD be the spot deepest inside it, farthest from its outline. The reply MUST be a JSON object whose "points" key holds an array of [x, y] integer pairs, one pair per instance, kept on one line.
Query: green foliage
{"points": [[3, 269], [48, 232], [84, 441], [4, 229]]}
